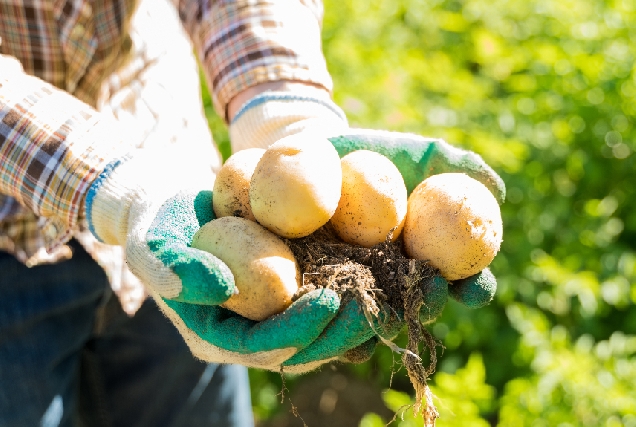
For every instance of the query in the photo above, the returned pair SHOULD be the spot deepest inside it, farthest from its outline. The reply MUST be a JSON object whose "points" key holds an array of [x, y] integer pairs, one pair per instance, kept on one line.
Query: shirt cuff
{"points": [[242, 44], [54, 147]]}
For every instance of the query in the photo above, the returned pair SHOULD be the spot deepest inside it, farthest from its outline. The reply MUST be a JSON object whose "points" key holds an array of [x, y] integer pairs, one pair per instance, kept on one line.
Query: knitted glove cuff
{"points": [[270, 116], [97, 217], [146, 178]]}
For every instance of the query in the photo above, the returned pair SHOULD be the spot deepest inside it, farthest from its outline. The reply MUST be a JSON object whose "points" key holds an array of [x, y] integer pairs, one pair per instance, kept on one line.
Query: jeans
{"points": [[69, 356]]}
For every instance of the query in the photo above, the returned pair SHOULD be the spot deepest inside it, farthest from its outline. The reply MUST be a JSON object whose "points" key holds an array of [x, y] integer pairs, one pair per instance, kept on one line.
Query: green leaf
{"points": [[372, 420]]}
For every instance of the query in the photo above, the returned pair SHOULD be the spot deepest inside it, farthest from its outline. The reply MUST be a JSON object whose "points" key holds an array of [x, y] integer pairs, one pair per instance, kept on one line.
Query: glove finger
{"points": [[179, 218], [348, 330], [417, 157], [205, 279], [474, 291], [296, 327], [361, 353], [435, 295]]}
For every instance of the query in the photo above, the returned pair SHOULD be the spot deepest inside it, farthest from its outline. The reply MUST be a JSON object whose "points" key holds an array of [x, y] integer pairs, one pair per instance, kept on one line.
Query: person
{"points": [[107, 163]]}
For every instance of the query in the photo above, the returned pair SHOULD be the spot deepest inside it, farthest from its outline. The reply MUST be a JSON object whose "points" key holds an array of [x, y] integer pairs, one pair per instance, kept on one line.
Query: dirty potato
{"points": [[373, 200], [454, 222], [264, 268], [231, 188], [296, 185]]}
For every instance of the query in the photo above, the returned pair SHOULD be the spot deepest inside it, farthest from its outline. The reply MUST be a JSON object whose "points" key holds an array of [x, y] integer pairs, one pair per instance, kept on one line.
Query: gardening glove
{"points": [[152, 203], [417, 158], [271, 116]]}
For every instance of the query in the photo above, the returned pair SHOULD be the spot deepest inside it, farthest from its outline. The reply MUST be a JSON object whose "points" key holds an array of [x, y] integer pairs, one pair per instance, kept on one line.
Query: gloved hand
{"points": [[153, 203], [271, 116], [417, 158]]}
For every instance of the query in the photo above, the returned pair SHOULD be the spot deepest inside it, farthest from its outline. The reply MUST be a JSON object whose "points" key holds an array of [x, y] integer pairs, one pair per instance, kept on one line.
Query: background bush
{"points": [[545, 91]]}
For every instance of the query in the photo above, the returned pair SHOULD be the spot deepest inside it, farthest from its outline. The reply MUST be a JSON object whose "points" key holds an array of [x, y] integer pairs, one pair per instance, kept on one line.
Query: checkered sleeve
{"points": [[242, 43], [52, 147]]}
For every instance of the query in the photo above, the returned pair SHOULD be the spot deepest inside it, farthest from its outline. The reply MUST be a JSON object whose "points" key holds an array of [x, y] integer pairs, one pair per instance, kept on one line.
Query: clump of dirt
{"points": [[386, 284]]}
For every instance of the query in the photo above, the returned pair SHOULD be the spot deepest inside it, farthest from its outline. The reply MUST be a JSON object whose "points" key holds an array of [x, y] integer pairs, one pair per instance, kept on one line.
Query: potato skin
{"points": [[296, 185], [264, 268], [454, 222], [232, 184], [373, 200]]}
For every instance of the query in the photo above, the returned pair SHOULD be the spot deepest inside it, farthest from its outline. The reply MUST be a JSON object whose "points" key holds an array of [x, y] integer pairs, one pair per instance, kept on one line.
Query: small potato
{"points": [[231, 188], [264, 268], [454, 222], [296, 185], [373, 200]]}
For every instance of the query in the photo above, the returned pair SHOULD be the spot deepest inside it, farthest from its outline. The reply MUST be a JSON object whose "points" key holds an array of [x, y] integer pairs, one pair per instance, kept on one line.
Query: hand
{"points": [[152, 204], [270, 116], [417, 158]]}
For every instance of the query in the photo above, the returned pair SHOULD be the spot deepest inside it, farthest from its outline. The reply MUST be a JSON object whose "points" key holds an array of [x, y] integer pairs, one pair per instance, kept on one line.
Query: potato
{"points": [[454, 222], [373, 199], [296, 185], [264, 268], [231, 188]]}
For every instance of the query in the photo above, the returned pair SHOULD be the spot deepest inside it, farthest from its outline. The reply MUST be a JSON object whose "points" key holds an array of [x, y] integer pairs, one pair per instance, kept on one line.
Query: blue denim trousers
{"points": [[69, 356]]}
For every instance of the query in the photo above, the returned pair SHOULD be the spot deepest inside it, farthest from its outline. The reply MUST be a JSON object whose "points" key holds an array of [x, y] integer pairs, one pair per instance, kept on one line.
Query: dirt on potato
{"points": [[377, 277]]}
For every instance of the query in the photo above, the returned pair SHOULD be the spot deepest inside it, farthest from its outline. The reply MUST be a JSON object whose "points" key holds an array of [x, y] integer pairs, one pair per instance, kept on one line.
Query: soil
{"points": [[386, 284]]}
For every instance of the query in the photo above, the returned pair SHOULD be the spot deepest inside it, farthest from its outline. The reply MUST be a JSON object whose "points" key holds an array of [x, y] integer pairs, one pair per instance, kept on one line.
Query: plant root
{"points": [[385, 283]]}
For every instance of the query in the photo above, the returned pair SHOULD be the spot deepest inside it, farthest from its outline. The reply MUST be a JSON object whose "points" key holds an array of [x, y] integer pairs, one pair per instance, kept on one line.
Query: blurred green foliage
{"points": [[462, 396], [545, 91]]}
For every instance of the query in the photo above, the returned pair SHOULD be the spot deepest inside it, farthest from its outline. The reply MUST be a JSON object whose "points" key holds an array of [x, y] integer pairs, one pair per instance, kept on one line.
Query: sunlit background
{"points": [[545, 91]]}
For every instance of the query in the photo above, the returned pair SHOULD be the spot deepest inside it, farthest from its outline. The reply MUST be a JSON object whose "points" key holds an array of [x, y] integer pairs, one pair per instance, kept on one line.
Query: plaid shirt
{"points": [[83, 82]]}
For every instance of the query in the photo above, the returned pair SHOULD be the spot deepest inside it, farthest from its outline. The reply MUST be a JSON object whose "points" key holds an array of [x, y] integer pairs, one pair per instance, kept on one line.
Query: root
{"points": [[293, 408], [381, 279]]}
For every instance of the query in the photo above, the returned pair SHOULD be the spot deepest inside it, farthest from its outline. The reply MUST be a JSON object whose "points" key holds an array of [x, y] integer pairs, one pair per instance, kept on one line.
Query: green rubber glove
{"points": [[417, 157], [152, 204], [344, 338], [314, 324]]}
